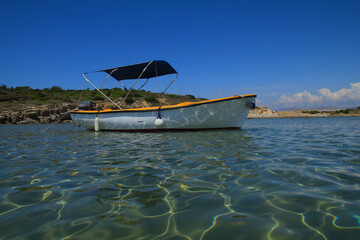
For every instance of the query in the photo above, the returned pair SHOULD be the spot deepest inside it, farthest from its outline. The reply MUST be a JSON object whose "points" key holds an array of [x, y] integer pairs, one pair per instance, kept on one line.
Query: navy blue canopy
{"points": [[154, 69]]}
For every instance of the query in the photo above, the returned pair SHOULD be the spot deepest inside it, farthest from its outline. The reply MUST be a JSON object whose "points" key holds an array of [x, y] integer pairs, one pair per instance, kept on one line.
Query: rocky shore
{"points": [[37, 114], [263, 112]]}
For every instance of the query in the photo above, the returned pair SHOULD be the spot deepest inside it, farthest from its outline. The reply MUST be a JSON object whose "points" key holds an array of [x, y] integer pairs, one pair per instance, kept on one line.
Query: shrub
{"points": [[129, 100], [172, 96], [98, 97], [118, 92], [311, 112], [41, 94], [56, 89], [23, 88], [137, 94], [151, 99], [346, 111], [5, 98], [191, 96], [3, 89]]}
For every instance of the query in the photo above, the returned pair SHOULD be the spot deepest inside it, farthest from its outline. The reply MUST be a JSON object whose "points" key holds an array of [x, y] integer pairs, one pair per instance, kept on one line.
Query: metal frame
{"points": [[100, 91], [136, 81], [107, 78], [123, 100], [168, 86]]}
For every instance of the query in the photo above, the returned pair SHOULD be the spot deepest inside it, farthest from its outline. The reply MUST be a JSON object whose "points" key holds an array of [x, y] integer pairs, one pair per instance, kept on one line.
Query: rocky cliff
{"points": [[37, 114], [262, 112]]}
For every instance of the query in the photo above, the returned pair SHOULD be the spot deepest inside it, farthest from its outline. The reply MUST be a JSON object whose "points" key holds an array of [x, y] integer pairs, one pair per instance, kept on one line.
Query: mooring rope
{"points": [[57, 120]]}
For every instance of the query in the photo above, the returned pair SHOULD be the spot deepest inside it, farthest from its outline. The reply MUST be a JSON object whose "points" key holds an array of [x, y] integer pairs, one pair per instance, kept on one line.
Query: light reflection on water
{"points": [[276, 179]]}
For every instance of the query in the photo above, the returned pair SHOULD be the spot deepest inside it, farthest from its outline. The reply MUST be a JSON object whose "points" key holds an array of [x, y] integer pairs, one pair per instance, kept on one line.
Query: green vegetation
{"points": [[129, 100], [11, 97], [172, 96], [151, 99], [311, 112], [334, 113], [345, 111], [355, 111]]}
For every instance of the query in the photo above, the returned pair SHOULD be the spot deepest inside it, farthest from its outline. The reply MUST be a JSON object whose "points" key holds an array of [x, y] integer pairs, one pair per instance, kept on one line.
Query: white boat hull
{"points": [[227, 113]]}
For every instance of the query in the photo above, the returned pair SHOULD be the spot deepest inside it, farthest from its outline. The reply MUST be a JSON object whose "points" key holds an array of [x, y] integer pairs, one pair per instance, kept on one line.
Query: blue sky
{"points": [[290, 53]]}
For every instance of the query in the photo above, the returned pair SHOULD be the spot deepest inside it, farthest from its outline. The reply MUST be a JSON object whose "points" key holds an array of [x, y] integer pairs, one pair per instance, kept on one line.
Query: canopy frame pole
{"points": [[131, 93], [171, 83], [143, 84], [112, 90], [101, 91], [137, 81], [107, 77], [122, 85], [167, 87]]}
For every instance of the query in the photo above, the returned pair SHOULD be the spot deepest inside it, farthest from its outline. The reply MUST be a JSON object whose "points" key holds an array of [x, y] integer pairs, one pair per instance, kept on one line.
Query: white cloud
{"points": [[324, 97]]}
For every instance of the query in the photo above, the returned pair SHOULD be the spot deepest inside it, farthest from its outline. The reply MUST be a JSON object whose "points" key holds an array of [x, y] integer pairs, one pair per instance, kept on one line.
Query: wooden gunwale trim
{"points": [[169, 107]]}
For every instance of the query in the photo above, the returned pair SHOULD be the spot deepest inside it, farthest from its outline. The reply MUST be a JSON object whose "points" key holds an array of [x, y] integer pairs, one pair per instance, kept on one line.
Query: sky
{"points": [[291, 53]]}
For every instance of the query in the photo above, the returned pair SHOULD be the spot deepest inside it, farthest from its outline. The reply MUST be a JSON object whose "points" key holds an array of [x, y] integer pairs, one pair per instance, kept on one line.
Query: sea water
{"points": [[274, 179]]}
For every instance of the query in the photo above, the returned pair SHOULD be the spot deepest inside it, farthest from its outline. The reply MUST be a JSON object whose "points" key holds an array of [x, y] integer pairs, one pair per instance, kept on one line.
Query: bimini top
{"points": [[141, 70]]}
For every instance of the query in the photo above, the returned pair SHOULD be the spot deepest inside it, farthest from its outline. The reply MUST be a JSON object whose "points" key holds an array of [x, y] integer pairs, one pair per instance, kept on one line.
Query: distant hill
{"points": [[25, 96], [263, 112], [24, 105]]}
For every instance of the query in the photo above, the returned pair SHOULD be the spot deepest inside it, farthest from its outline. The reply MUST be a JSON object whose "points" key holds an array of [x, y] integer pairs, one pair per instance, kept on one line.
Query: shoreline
{"points": [[43, 114], [263, 112], [303, 117], [46, 115], [24, 105]]}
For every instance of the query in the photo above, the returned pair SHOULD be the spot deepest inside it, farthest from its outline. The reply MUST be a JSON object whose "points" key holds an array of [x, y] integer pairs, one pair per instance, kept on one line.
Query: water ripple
{"points": [[276, 179]]}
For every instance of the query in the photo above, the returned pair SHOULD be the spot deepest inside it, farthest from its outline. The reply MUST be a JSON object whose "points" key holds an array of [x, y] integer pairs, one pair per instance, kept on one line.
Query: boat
{"points": [[221, 113]]}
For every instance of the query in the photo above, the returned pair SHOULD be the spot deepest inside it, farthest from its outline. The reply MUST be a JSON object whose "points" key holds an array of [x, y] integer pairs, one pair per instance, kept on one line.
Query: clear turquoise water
{"points": [[275, 179]]}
